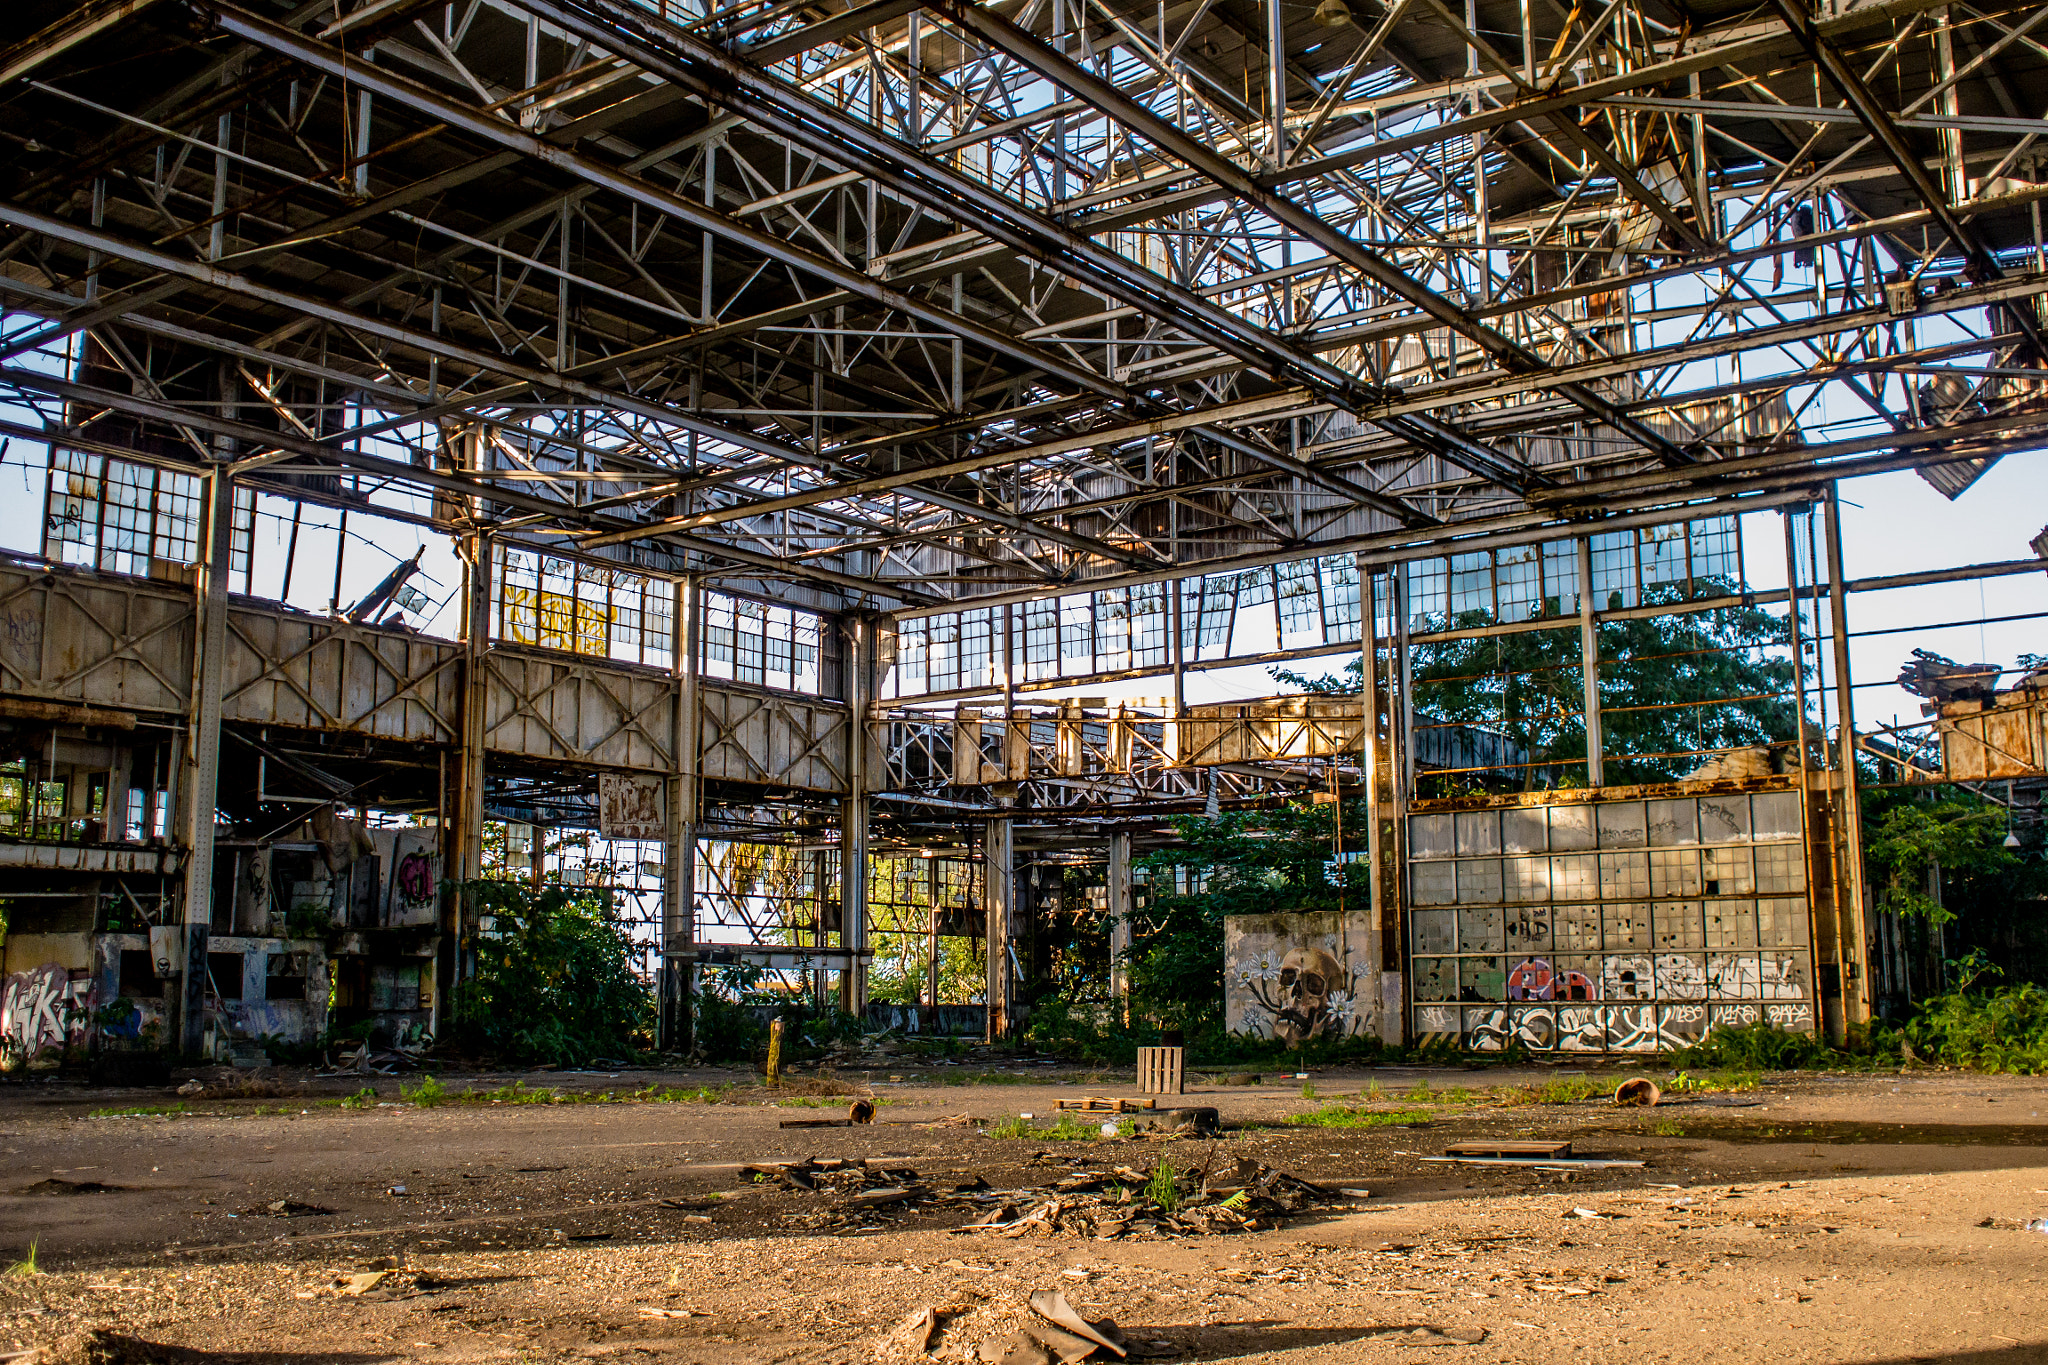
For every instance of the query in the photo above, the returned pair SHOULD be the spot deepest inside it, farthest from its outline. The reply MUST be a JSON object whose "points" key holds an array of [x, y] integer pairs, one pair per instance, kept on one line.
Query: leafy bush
{"points": [[1757, 1047], [427, 1092], [1996, 1028], [554, 980], [724, 1026]]}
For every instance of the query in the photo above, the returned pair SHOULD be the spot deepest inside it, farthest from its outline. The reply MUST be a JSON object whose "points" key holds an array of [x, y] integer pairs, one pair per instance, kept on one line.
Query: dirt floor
{"points": [[1815, 1218]]}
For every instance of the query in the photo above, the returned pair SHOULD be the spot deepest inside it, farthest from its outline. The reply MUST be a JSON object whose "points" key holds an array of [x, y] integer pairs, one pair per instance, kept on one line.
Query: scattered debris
{"points": [[290, 1208], [647, 1312], [1428, 1334], [1121, 1201], [56, 1186], [1638, 1090], [861, 1111], [920, 1329], [363, 1281], [1052, 1305]]}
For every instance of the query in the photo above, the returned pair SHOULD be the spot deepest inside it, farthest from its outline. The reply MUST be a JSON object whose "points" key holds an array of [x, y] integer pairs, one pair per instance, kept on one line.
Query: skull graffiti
{"points": [[1301, 1004]]}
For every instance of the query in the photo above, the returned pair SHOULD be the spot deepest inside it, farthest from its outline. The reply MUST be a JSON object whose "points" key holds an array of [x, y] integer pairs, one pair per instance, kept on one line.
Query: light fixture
{"points": [[927, 853], [1334, 14], [2012, 840]]}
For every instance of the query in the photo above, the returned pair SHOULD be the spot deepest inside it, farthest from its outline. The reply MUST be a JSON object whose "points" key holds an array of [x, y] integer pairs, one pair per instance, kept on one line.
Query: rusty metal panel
{"points": [[1980, 742], [582, 711], [772, 740], [287, 668], [69, 635]]}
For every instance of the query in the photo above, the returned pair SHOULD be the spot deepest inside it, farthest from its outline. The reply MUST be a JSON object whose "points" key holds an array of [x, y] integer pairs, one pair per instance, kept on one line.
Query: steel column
{"points": [[1120, 909], [1854, 933], [853, 819], [200, 789], [999, 882]]}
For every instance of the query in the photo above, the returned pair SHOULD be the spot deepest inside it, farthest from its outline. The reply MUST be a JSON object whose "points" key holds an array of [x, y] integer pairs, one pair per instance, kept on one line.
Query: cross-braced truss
{"points": [[899, 305]]}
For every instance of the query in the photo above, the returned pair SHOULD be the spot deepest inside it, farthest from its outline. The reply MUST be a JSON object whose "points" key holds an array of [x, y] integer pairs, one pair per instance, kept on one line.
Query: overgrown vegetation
{"points": [[554, 980], [1760, 1047], [1351, 1116], [1163, 1188], [1067, 1126], [429, 1093], [1987, 1027]]}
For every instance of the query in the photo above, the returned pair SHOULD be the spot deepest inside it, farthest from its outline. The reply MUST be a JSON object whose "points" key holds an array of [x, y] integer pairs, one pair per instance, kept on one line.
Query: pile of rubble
{"points": [[1089, 1200]]}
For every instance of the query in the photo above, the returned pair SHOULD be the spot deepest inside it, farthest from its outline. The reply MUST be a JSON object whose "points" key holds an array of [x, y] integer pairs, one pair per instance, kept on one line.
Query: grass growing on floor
{"points": [[827, 1101], [429, 1093], [27, 1265], [1703, 1082], [1341, 1116], [1163, 1189], [994, 1078], [1563, 1090], [1066, 1127], [142, 1111]]}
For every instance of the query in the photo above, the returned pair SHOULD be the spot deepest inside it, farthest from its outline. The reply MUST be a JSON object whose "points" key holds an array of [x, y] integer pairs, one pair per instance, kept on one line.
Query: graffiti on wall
{"points": [[1600, 1027], [411, 860], [43, 1011], [1293, 978]]}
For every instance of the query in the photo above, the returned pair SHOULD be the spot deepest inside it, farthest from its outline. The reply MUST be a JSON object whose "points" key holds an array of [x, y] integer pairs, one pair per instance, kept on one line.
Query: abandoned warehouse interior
{"points": [[810, 470]]}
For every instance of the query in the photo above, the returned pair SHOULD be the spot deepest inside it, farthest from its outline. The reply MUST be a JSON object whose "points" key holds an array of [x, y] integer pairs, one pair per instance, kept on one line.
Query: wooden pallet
{"points": [[1162, 1070], [1487, 1147], [1097, 1104]]}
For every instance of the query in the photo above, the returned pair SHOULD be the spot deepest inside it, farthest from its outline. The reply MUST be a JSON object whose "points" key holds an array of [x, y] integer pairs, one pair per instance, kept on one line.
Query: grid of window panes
{"points": [[1677, 561], [122, 517], [555, 603], [761, 644], [1612, 925], [1303, 604]]}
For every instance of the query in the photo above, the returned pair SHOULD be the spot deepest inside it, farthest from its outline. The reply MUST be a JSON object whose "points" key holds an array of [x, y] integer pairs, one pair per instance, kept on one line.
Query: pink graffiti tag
{"points": [[416, 878]]}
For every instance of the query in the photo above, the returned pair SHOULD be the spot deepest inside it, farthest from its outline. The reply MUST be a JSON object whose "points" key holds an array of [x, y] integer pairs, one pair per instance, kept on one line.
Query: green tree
{"points": [[1240, 863], [1938, 859], [1671, 686], [554, 979]]}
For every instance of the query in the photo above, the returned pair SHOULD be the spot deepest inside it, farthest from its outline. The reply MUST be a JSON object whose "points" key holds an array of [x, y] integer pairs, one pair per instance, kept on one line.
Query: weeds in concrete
{"points": [[825, 1101], [1704, 1082], [1163, 1188], [143, 1111], [1066, 1127], [1345, 1116], [427, 1092], [1563, 1090], [27, 1265]]}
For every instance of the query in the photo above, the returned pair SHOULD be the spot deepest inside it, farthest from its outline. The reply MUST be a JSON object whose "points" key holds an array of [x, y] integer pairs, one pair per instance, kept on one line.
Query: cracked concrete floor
{"points": [[1820, 1218]]}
